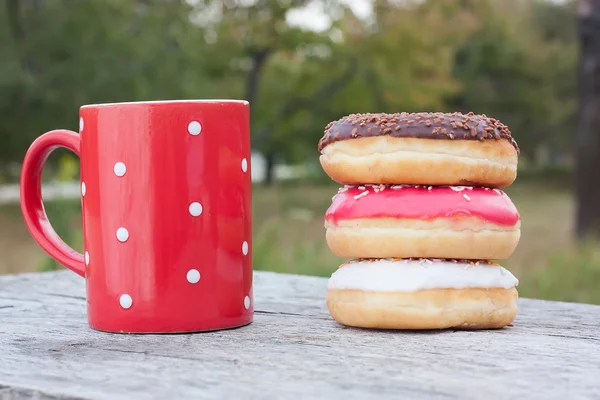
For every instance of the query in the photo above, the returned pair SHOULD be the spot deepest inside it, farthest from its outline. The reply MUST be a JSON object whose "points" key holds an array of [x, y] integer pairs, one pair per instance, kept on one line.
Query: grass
{"points": [[289, 237]]}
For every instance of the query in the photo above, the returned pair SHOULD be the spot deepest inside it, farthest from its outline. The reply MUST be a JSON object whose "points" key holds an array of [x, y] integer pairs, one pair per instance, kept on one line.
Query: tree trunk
{"points": [[317, 101], [269, 169], [13, 11], [588, 138], [259, 58]]}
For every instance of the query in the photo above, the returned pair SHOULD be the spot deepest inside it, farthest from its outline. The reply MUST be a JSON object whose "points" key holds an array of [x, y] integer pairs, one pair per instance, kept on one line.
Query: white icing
{"points": [[412, 275]]}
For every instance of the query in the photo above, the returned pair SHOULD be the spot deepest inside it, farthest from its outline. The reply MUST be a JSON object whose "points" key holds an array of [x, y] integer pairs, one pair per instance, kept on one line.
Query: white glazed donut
{"points": [[422, 294]]}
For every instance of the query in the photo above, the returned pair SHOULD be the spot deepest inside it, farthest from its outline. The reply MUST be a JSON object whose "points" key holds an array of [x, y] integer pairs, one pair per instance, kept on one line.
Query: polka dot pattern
{"points": [[80, 124], [87, 258], [193, 276], [83, 189], [120, 169], [194, 128], [195, 209], [122, 234], [125, 301]]}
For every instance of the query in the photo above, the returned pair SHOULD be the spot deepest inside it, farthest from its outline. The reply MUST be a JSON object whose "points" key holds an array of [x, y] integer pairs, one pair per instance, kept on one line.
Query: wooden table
{"points": [[293, 349]]}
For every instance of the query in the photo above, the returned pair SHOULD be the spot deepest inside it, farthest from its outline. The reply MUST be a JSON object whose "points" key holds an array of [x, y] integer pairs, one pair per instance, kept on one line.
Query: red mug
{"points": [[166, 200]]}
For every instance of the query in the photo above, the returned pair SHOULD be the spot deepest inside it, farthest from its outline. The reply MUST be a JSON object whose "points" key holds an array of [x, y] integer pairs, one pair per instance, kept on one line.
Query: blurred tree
{"points": [[588, 139], [298, 80], [400, 59], [282, 70], [56, 55], [518, 68], [513, 59], [406, 55]]}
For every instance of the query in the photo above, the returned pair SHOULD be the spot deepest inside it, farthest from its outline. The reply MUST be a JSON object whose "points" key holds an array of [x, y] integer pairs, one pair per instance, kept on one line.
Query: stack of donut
{"points": [[420, 215]]}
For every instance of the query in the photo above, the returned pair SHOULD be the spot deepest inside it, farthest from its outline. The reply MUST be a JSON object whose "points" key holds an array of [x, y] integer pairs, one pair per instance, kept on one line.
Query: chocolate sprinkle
{"points": [[417, 125]]}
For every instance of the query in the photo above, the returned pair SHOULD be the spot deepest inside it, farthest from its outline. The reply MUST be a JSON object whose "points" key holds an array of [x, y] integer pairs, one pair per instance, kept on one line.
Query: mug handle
{"points": [[32, 205]]}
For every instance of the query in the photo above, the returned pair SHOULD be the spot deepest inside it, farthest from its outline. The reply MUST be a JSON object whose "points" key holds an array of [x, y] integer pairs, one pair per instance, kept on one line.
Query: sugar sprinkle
{"points": [[363, 194]]}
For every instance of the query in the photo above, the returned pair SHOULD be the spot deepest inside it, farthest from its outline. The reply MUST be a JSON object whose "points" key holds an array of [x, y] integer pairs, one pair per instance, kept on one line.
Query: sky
{"points": [[314, 18]]}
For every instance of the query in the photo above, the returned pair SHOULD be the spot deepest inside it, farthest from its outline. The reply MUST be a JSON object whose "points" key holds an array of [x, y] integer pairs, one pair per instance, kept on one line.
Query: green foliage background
{"points": [[512, 59], [515, 60]]}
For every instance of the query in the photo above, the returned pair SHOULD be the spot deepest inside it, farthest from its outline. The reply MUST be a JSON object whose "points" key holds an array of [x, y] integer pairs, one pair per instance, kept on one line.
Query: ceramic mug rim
{"points": [[154, 102]]}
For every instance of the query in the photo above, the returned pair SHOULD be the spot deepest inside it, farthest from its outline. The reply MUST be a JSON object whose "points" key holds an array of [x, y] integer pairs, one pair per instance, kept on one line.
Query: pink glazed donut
{"points": [[379, 221]]}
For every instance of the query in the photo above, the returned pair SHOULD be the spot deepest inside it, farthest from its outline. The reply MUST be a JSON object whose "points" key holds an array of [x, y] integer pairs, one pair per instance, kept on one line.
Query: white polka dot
{"points": [[193, 276], [244, 165], [87, 258], [245, 248], [80, 124], [194, 128], [246, 302], [83, 188], [195, 209], [120, 169], [126, 301], [122, 234]]}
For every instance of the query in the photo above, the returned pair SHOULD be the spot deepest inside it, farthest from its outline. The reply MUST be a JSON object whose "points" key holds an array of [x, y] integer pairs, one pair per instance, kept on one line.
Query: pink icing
{"points": [[423, 203]]}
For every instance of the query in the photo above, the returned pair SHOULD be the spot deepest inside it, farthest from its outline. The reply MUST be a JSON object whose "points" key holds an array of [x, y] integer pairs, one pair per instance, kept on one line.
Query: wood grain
{"points": [[292, 350]]}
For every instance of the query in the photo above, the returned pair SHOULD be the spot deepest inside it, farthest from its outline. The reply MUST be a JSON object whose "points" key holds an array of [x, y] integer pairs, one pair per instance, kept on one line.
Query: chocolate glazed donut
{"points": [[419, 148]]}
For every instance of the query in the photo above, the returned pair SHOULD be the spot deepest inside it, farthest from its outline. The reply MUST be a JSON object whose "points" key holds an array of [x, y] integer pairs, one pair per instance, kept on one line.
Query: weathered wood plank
{"points": [[292, 350]]}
